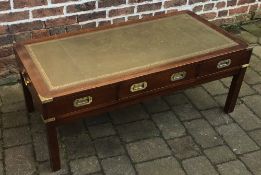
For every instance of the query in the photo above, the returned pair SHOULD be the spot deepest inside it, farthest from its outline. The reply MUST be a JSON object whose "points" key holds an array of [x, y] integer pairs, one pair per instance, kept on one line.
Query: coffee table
{"points": [[81, 74]]}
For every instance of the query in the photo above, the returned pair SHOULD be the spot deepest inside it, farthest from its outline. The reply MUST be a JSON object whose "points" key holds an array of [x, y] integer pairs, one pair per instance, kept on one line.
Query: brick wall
{"points": [[24, 19]]}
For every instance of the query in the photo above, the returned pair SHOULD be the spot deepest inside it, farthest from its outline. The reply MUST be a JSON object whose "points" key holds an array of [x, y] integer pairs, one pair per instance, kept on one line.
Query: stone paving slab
{"points": [[184, 133]]}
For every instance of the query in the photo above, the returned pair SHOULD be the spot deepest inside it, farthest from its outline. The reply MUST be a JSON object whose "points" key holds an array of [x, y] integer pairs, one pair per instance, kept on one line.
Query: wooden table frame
{"points": [[33, 84]]}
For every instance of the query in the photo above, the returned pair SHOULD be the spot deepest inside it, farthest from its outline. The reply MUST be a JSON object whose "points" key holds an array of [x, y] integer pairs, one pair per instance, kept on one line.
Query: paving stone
{"points": [[219, 154], [7, 94], [200, 98], [40, 146], [254, 102], [203, 133], [117, 166], [216, 116], [19, 160], [14, 119], [256, 136], [255, 63], [109, 146], [253, 161], [85, 166], [257, 88], [18, 106], [148, 149], [248, 37], [198, 166], [237, 139], [257, 51], [98, 119], [72, 129], [16, 136], [129, 114], [1, 167], [79, 146], [155, 105], [251, 77], [1, 149], [186, 112], [233, 168], [137, 130], [184, 147], [101, 130], [215, 88], [221, 99], [169, 125], [226, 81], [253, 29], [176, 99], [166, 166], [246, 118]]}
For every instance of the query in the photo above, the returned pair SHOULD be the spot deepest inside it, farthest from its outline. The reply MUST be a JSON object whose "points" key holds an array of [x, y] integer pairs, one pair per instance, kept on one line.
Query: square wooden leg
{"points": [[234, 90], [27, 96], [53, 147]]}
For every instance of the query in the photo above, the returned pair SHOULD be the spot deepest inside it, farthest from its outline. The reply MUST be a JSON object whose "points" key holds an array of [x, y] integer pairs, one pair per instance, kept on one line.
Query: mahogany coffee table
{"points": [[80, 74]]}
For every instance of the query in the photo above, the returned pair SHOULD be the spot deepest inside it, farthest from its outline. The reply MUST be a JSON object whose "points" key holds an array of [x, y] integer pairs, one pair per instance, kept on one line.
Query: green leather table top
{"points": [[90, 56]]}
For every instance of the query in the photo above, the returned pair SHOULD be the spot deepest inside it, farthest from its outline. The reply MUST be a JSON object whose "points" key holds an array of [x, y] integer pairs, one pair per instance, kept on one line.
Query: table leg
{"points": [[27, 96], [234, 90], [53, 147]]}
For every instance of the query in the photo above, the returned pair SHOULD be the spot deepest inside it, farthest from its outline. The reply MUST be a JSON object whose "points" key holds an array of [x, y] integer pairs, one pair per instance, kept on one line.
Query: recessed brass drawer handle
{"points": [[223, 63], [82, 101], [178, 76], [138, 86]]}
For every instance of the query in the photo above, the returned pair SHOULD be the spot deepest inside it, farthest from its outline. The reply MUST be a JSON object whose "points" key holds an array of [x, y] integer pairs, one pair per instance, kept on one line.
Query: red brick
{"points": [[196, 1], [6, 51], [40, 33], [149, 7], [197, 8], [3, 30], [221, 21], [222, 13], [57, 30], [39, 13], [61, 1], [172, 10], [35, 25], [147, 15], [210, 15], [220, 5], [104, 23], [29, 3], [231, 3], [174, 3], [130, 18], [121, 11], [61, 21], [90, 25], [241, 2], [5, 5], [138, 1], [6, 39], [109, 3], [159, 13], [238, 10], [253, 8], [118, 20], [81, 7], [72, 28], [23, 36], [15, 16], [91, 16], [208, 7]]}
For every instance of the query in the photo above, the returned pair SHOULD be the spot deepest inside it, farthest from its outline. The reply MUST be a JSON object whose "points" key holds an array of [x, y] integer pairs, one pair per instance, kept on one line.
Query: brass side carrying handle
{"points": [[138, 86], [223, 63], [26, 79], [82, 101], [178, 76]]}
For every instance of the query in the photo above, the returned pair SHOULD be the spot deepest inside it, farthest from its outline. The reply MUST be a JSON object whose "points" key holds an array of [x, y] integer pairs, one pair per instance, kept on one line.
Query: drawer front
{"points": [[154, 81], [224, 62], [83, 100]]}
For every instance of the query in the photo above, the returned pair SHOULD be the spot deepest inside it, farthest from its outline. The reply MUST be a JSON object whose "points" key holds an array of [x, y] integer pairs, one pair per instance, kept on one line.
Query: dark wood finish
{"points": [[234, 90], [114, 92], [27, 96], [53, 147]]}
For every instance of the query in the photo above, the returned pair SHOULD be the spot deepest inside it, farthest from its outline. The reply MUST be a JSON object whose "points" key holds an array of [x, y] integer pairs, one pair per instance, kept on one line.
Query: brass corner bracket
{"points": [[244, 65], [48, 120], [45, 99]]}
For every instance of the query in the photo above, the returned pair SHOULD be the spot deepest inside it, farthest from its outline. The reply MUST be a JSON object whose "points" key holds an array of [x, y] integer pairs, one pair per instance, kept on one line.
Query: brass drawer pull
{"points": [[82, 101], [138, 86], [178, 76], [223, 63]]}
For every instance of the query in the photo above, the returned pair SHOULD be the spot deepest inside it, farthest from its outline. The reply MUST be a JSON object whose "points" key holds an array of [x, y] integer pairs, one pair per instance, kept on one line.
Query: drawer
{"points": [[157, 80], [224, 62], [87, 99]]}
